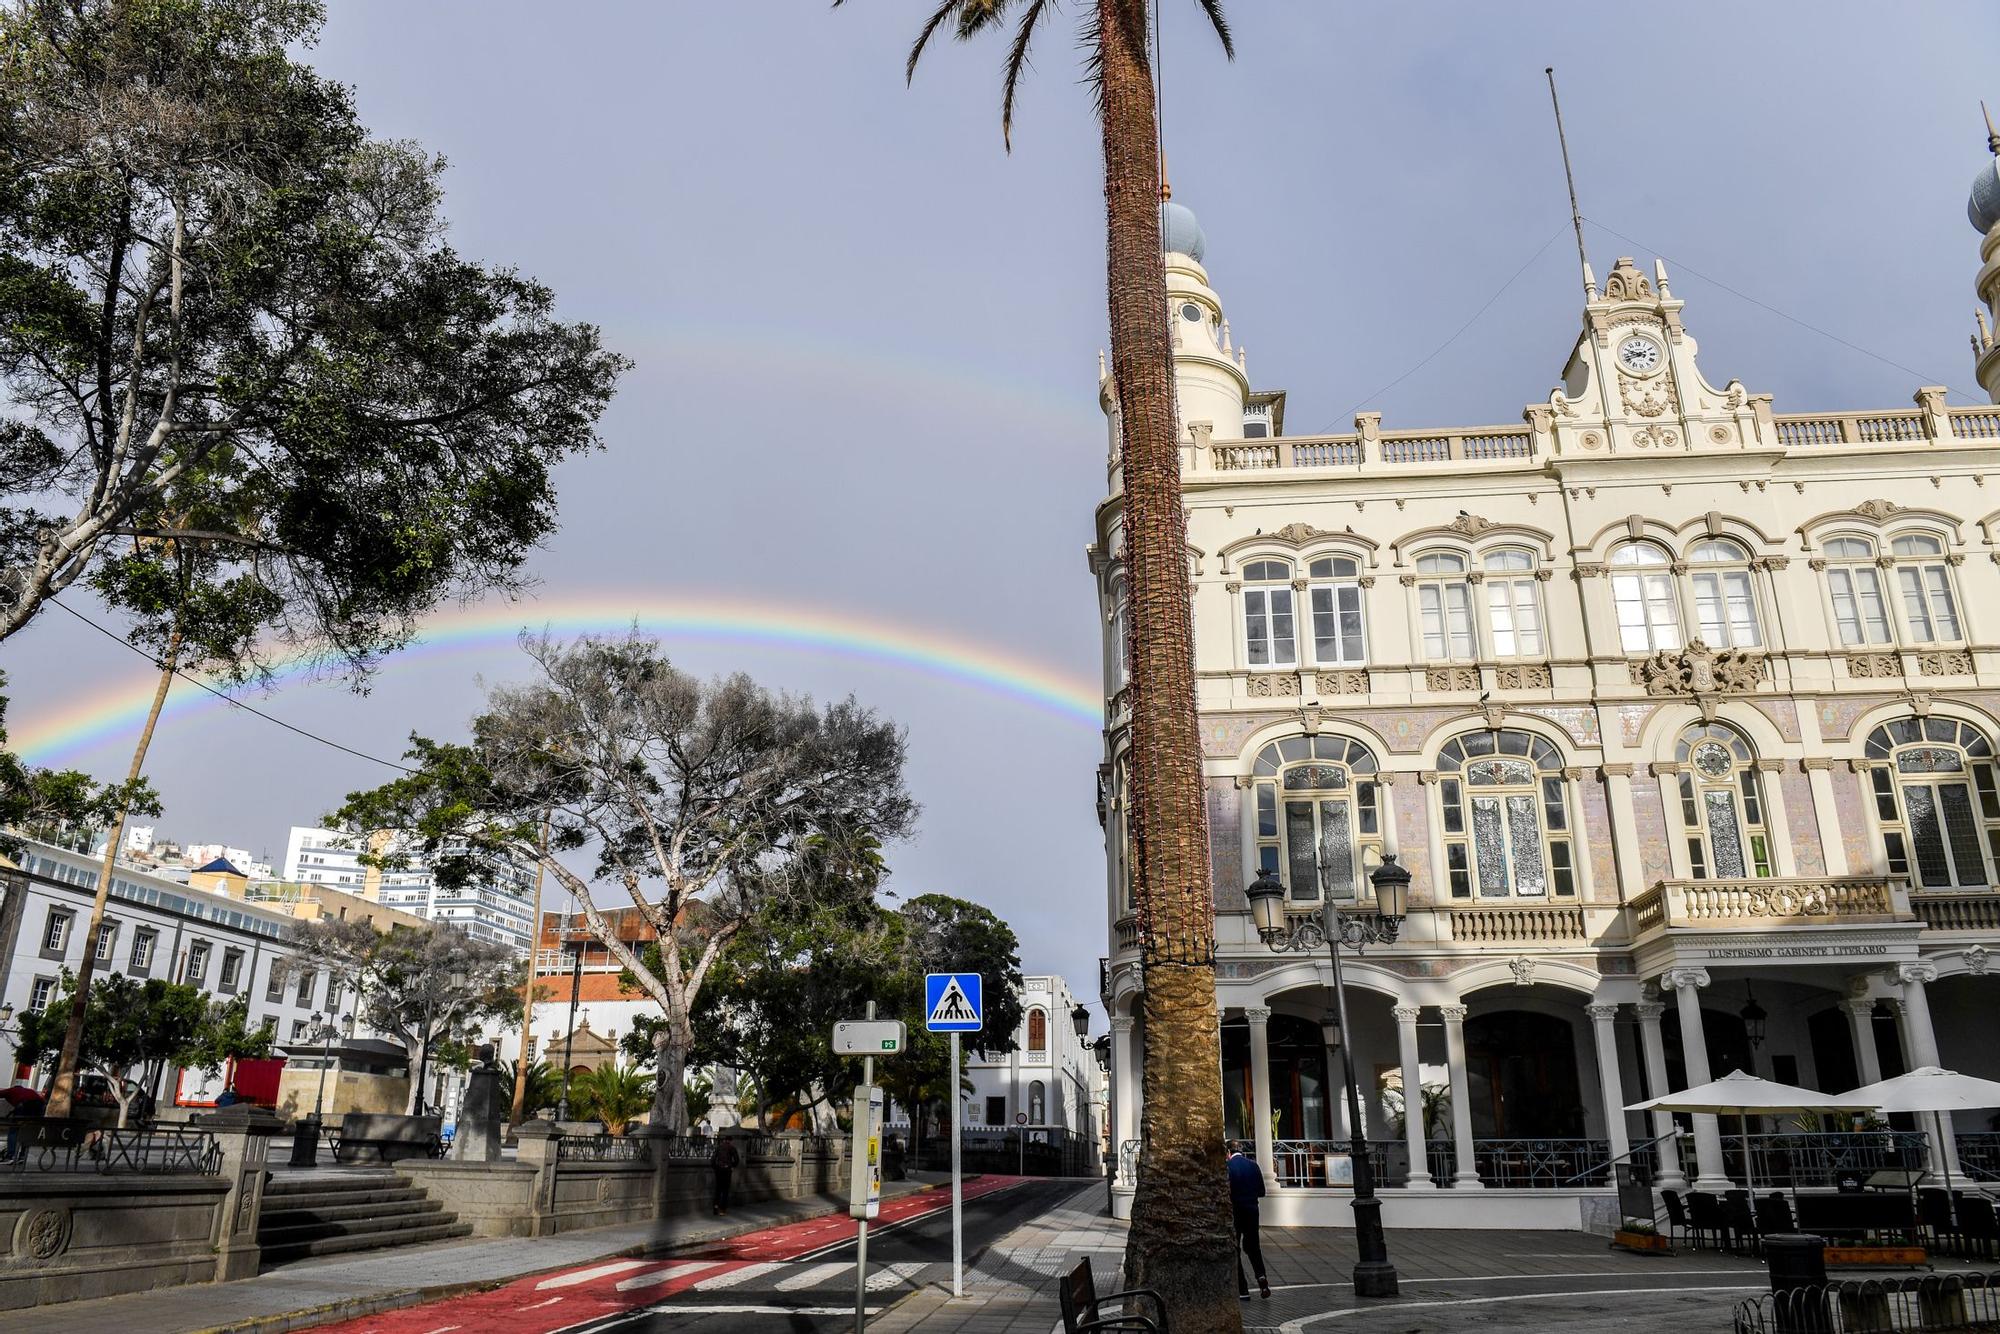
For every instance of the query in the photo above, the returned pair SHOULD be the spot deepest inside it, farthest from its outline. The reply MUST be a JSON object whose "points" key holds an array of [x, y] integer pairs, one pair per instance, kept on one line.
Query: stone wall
{"points": [[72, 1235]]}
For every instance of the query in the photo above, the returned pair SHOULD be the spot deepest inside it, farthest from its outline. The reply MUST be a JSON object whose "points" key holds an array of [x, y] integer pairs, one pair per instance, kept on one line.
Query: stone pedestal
{"points": [[244, 1134], [481, 1118]]}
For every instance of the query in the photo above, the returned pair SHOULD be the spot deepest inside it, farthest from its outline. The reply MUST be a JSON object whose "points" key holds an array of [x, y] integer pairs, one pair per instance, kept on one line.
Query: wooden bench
{"points": [[1078, 1295]]}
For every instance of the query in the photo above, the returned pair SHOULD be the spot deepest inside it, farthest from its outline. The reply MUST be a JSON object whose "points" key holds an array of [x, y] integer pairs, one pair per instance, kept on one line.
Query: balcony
{"points": [[1978, 910], [1756, 905]]}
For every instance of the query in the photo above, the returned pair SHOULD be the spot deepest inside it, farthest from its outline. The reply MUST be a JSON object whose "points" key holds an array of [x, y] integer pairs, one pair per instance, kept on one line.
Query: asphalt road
{"points": [[795, 1278]]}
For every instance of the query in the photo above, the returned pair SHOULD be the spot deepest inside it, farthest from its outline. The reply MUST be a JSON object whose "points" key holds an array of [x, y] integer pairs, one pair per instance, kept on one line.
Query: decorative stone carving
{"points": [[1343, 682], [1523, 969], [1676, 978], [1647, 398], [1407, 1014], [1451, 678], [1590, 570], [1522, 676], [1698, 670], [1955, 662], [1812, 762], [1923, 974], [1656, 437], [1469, 525], [1626, 283], [1874, 665], [43, 1234], [1591, 440], [1720, 435], [1977, 960], [1256, 1014], [1601, 1013], [1271, 687], [1878, 510], [1453, 1014], [1295, 533], [1561, 405]]}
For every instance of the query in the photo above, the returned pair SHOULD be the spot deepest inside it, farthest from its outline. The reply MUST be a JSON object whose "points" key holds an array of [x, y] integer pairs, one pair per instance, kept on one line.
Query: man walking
{"points": [[722, 1162], [1246, 1187]]}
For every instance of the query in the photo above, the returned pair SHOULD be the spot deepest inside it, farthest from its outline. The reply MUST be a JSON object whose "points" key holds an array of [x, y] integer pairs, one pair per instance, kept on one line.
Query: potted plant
{"points": [[1639, 1234]]}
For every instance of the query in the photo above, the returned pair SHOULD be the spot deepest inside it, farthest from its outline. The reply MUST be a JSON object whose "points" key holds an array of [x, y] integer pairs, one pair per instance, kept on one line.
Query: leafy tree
{"points": [[1180, 1240], [700, 802], [256, 402], [133, 1031], [543, 1086], [431, 988], [617, 1095]]}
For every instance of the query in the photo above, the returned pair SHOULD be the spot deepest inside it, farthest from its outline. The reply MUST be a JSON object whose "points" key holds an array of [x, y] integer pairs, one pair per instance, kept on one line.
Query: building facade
{"points": [[496, 908], [1680, 710], [1051, 1075]]}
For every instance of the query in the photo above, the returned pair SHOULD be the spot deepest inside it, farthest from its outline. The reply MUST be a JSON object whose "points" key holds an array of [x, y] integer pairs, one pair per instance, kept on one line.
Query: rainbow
{"points": [[58, 735]]}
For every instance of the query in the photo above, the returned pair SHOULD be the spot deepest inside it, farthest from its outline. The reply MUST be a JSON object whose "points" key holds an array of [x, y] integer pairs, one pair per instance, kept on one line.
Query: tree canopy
{"points": [[699, 802], [254, 393]]}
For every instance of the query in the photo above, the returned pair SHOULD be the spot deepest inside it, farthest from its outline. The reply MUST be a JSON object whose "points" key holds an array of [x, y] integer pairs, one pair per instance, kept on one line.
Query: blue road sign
{"points": [[954, 1002]]}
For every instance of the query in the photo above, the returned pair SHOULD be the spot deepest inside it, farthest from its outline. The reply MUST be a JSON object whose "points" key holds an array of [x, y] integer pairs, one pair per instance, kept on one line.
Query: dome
{"points": [[1181, 234], [1984, 207]]}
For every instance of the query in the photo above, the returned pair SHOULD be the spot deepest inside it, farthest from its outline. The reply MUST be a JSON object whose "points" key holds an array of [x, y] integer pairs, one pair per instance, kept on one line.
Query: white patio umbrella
{"points": [[1743, 1095], [1929, 1089]]}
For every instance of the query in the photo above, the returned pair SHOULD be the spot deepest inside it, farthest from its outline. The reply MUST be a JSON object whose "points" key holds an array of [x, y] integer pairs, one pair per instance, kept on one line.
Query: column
{"points": [[1655, 1049], [1124, 1092], [1602, 1021], [1861, 1029], [1260, 1090], [1465, 1176], [1413, 1097], [1687, 984], [1920, 1046]]}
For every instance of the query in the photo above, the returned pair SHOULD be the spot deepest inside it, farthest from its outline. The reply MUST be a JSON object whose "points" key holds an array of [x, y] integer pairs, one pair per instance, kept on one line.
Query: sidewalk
{"points": [[313, 1292]]}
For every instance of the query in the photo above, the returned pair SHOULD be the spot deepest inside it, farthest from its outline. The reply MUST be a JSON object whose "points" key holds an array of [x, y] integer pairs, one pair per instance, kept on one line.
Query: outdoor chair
{"points": [[1077, 1294], [1977, 1223], [1741, 1222], [1774, 1215], [1677, 1219], [1934, 1213], [1705, 1218]]}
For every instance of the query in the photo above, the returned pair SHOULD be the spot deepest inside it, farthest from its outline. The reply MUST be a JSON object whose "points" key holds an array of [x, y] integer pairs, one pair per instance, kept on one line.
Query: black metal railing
{"points": [[600, 1149], [1822, 1158], [1979, 1154], [1877, 1306], [161, 1150], [1542, 1164]]}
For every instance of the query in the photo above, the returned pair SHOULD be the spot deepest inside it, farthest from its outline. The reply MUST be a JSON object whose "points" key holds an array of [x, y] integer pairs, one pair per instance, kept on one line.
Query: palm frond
{"points": [[1017, 60], [931, 25], [975, 15], [1213, 8]]}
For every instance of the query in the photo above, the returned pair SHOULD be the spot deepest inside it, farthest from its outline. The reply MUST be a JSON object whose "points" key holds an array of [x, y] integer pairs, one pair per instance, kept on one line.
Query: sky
{"points": [[865, 336]]}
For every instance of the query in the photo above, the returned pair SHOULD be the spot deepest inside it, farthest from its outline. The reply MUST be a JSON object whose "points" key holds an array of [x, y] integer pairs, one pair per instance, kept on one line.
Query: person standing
{"points": [[722, 1162], [1246, 1187]]}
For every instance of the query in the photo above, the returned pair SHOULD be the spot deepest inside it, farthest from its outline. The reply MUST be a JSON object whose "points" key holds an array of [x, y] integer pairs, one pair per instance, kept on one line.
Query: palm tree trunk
{"points": [[520, 1110], [1181, 1241], [63, 1091]]}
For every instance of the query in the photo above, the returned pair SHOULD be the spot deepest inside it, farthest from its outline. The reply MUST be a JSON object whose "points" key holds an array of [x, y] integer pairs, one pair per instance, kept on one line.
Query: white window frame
{"points": [[107, 940], [40, 993], [55, 931], [1728, 629], [1850, 574], [1934, 591], [1120, 638], [1661, 626], [1437, 589], [197, 962], [1349, 650], [1512, 592], [144, 942], [1265, 594]]}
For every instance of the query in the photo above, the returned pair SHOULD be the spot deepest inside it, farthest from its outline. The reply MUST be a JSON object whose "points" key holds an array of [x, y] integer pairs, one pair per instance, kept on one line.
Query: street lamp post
{"points": [[1374, 1275], [325, 1031]]}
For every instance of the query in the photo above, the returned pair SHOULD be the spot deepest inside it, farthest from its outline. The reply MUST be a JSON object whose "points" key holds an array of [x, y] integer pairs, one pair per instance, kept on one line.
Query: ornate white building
{"points": [[1681, 711]]}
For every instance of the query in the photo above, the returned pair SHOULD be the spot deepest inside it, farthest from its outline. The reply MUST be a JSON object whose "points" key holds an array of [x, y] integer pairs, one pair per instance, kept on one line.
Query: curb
{"points": [[353, 1308]]}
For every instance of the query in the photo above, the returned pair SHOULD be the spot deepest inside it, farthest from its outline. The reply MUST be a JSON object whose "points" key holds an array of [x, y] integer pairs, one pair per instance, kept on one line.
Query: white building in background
{"points": [[1051, 1075], [497, 908], [1681, 712]]}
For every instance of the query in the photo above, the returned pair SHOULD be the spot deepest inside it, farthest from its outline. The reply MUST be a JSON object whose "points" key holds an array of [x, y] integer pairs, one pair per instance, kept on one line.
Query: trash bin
{"points": [[1798, 1283]]}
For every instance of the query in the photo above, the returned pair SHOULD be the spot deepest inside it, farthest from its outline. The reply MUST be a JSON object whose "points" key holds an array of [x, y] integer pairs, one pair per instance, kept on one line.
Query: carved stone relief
{"points": [[1268, 687], [1949, 663], [1874, 664], [1344, 682], [1698, 670], [1451, 678], [1522, 676]]}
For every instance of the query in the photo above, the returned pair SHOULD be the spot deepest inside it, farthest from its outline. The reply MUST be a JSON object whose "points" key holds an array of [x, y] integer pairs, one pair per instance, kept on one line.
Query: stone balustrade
{"points": [[1546, 924], [1803, 901], [1958, 912]]}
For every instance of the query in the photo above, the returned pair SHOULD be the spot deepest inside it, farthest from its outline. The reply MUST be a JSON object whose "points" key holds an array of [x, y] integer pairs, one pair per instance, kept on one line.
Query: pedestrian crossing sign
{"points": [[954, 1002]]}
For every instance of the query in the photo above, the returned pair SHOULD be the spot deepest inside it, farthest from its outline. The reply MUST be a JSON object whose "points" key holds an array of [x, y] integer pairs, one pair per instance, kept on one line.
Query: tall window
{"points": [[197, 963], [1859, 612], [1038, 1030], [55, 934], [1642, 586], [1725, 608], [39, 995], [1506, 819], [1933, 783], [1722, 809], [142, 948], [1513, 607], [1444, 602], [1335, 598], [107, 936], [1269, 633], [1120, 647], [308, 983], [1318, 808], [1929, 609]]}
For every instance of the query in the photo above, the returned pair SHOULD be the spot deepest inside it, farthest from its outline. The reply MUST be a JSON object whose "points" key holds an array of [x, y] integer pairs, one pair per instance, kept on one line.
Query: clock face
{"points": [[1641, 356]]}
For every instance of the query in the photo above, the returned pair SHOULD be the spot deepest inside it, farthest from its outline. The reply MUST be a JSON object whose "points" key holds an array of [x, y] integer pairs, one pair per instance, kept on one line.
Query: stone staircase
{"points": [[333, 1213]]}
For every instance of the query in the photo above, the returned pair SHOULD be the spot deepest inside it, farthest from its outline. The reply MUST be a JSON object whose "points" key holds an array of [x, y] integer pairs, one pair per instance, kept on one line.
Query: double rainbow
{"points": [[56, 736]]}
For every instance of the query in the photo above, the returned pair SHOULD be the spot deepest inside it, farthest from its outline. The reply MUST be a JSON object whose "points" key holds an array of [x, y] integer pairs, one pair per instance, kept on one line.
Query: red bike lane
{"points": [[568, 1297]]}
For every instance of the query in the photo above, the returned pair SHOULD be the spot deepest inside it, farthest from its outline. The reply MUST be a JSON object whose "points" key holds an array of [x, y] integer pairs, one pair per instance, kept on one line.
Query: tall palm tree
{"points": [[1181, 1242]]}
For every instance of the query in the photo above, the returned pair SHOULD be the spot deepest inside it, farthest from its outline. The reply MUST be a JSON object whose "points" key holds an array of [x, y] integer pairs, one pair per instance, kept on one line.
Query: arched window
{"points": [[1038, 1030], [1642, 586], [1335, 598], [1317, 806], [1513, 605], [1725, 608], [1722, 808], [1929, 609], [1444, 602], [1507, 829], [1933, 782], [1118, 636], [1859, 614], [1268, 632]]}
